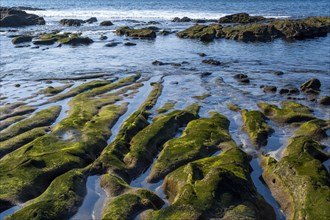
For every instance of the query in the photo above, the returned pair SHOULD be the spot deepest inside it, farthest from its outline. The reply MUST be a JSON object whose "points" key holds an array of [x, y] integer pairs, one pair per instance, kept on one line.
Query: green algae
{"points": [[65, 38], [201, 138], [166, 107], [11, 120], [43, 118], [314, 129], [201, 32], [211, 187], [299, 181], [202, 97], [233, 107], [288, 113], [60, 201], [147, 33], [254, 123], [20, 140], [50, 91]]}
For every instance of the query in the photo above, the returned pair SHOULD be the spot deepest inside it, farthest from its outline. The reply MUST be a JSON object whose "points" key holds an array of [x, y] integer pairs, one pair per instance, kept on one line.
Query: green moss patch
{"points": [[12, 120], [43, 118], [314, 129], [50, 91], [15, 109], [288, 113], [202, 32], [201, 138], [166, 107], [254, 123]]}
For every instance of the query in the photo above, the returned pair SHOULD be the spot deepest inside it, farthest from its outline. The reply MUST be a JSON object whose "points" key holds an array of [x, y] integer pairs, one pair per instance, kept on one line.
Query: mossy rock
{"points": [[50, 91], [10, 121], [241, 18], [202, 32], [145, 144], [201, 138], [254, 123], [166, 107], [288, 113], [112, 156], [15, 109], [314, 129], [144, 33], [66, 38], [299, 182], [21, 39], [20, 140], [233, 107], [60, 201], [211, 188], [43, 118], [128, 205]]}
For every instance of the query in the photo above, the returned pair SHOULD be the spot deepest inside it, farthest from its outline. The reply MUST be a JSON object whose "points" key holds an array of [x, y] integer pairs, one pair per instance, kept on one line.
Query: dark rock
{"points": [[112, 44], [278, 73], [106, 23], [103, 37], [205, 74], [91, 20], [184, 19], [325, 100], [10, 17], [311, 86], [44, 42], [153, 22], [17, 85], [78, 41], [157, 63], [243, 78], [129, 44], [21, 39], [212, 62], [271, 89], [165, 32], [21, 46], [72, 22], [202, 54], [284, 91], [241, 18]]}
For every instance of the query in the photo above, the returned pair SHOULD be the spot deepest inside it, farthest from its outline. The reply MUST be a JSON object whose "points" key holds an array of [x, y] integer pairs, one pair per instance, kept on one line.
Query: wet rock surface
{"points": [[11, 17]]}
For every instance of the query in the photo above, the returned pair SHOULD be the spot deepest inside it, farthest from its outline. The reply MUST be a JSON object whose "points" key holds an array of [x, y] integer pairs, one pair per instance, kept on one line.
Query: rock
{"points": [[278, 73], [233, 107], [284, 91], [254, 123], [153, 22], [72, 22], [205, 74], [202, 32], [243, 78], [143, 33], [103, 37], [17, 18], [157, 63], [129, 44], [91, 20], [212, 62], [311, 86], [112, 44], [184, 19], [289, 113], [241, 18], [325, 100], [78, 41], [21, 39], [44, 42], [106, 23], [271, 89], [202, 54], [66, 38], [165, 32], [17, 85]]}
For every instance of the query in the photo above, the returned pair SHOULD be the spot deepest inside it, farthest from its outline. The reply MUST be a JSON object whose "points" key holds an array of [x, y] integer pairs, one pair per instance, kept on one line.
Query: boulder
{"points": [[202, 32], [242, 18], [106, 23], [212, 62], [243, 78], [112, 44], [10, 17], [143, 33], [91, 20], [271, 89], [72, 22], [325, 100], [21, 39], [311, 86]]}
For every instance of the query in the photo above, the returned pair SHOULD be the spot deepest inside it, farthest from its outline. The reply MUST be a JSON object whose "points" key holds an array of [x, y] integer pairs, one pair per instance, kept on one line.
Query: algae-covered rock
{"points": [[65, 38], [145, 144], [299, 182], [72, 22], [254, 123], [11, 120], [289, 113], [325, 100], [20, 140], [144, 33], [50, 91], [43, 118], [21, 39], [233, 107], [202, 32], [314, 129], [311, 86], [240, 18], [60, 201], [213, 188], [15, 109], [201, 138], [166, 107]]}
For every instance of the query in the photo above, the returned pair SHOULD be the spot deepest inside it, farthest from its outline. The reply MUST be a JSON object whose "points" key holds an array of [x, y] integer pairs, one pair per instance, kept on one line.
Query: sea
{"points": [[24, 69]]}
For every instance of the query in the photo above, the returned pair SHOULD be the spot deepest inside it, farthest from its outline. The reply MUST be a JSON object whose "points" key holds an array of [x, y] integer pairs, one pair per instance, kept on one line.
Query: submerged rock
{"points": [[241, 18], [11, 17]]}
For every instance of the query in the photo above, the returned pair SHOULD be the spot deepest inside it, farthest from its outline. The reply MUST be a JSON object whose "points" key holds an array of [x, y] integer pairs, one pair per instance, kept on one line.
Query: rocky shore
{"points": [[49, 150]]}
